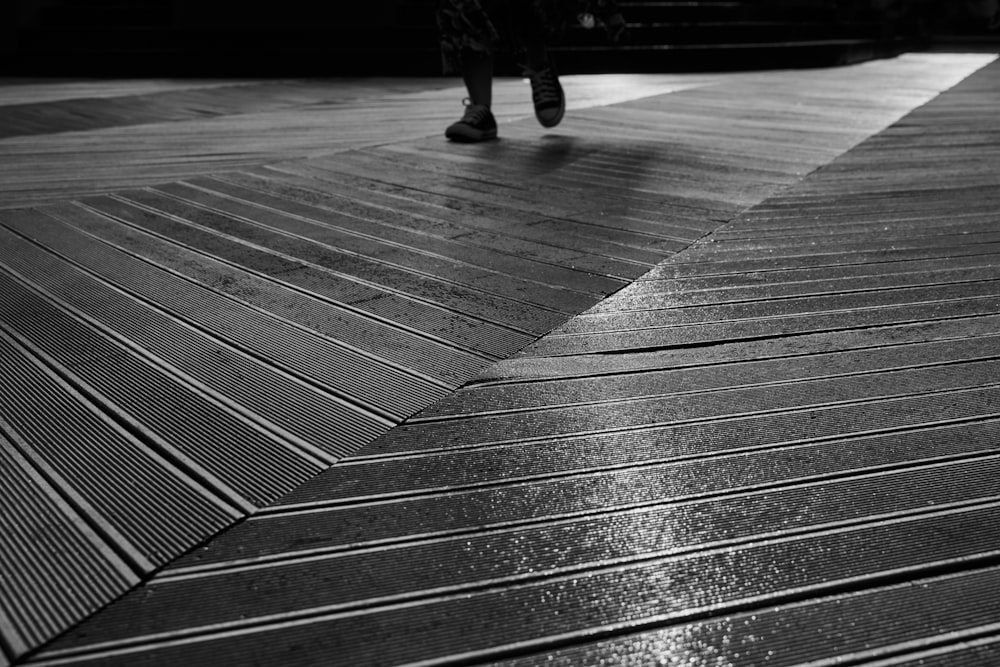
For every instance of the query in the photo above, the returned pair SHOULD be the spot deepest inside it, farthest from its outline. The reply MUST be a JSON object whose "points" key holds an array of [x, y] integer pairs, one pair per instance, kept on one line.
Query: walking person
{"points": [[474, 32]]}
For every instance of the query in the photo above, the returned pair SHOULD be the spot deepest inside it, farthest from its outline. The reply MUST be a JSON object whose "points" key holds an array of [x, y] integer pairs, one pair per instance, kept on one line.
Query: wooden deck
{"points": [[706, 375]]}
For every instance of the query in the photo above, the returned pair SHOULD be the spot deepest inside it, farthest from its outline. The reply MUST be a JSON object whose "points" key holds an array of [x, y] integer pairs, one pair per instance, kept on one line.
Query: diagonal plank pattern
{"points": [[71, 139], [190, 352], [777, 445]]}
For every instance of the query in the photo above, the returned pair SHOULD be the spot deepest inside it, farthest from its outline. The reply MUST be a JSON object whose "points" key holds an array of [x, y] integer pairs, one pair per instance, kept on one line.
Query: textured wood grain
{"points": [[242, 277]]}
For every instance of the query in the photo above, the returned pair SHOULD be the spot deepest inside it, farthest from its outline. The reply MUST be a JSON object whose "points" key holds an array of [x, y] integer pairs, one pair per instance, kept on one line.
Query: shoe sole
{"points": [[469, 138], [554, 121], [562, 112]]}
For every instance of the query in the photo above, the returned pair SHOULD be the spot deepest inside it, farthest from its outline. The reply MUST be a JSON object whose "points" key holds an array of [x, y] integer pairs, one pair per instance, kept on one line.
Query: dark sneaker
{"points": [[547, 94], [477, 124]]}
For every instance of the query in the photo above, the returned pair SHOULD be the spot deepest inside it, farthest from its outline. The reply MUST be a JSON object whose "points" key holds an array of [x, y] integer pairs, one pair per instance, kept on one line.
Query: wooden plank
{"points": [[345, 327], [820, 433], [497, 398], [57, 568], [488, 502], [236, 457], [395, 572], [619, 598]]}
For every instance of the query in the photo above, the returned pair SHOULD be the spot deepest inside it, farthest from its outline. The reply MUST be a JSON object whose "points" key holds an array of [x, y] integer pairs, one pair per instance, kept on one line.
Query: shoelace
{"points": [[544, 87], [474, 113]]}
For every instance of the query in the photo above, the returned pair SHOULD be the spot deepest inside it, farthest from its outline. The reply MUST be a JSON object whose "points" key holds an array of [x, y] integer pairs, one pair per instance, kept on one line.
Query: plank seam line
{"points": [[127, 558], [143, 99], [406, 454], [488, 585], [395, 244], [689, 286], [448, 492], [113, 546], [833, 234], [323, 207], [766, 318], [375, 286], [364, 459], [611, 310], [845, 585], [575, 186], [471, 229], [501, 528], [488, 382], [718, 342], [291, 286], [878, 257], [677, 553], [306, 450], [451, 417], [445, 492], [802, 595], [951, 233], [918, 649], [376, 413], [748, 224], [260, 311], [221, 495], [780, 260], [12, 643], [701, 211]]}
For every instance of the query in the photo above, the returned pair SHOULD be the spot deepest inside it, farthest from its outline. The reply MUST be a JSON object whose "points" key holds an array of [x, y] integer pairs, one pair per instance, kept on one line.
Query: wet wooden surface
{"points": [[672, 390]]}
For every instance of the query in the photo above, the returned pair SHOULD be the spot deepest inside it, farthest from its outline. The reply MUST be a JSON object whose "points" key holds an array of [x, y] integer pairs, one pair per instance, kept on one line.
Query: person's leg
{"points": [[477, 72], [528, 33], [536, 56], [546, 91], [469, 40], [478, 123]]}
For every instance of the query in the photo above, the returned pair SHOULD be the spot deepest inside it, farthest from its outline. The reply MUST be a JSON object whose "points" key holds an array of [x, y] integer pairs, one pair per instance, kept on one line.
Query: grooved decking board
{"points": [[525, 396], [948, 615], [466, 222], [426, 276], [86, 452], [685, 269], [322, 424], [503, 274], [714, 333], [639, 412], [332, 368], [521, 369], [126, 139], [789, 283], [37, 527], [969, 653], [238, 457], [565, 546], [690, 467], [398, 346], [124, 103], [614, 597], [430, 260], [578, 479], [324, 279], [613, 318]]}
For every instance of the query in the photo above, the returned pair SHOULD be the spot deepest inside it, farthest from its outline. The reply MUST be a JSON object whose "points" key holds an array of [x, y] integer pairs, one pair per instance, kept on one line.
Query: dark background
{"points": [[397, 37]]}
